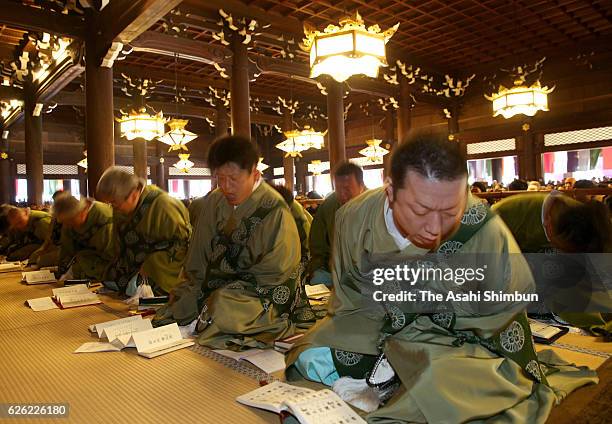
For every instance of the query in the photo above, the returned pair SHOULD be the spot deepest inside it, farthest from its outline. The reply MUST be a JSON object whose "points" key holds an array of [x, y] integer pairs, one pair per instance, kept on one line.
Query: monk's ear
{"points": [[389, 189]]}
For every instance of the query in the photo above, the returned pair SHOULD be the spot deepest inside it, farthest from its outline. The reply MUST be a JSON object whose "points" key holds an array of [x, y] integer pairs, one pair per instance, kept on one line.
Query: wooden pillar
{"points": [[453, 123], [530, 164], [525, 144], [241, 119], [538, 149], [288, 161], [221, 123], [7, 181], [162, 178], [160, 169], [301, 167], [13, 173], [5, 175], [497, 169], [390, 140], [140, 157], [404, 113], [99, 118], [153, 171], [67, 185], [83, 182], [335, 122], [186, 189], [33, 150]]}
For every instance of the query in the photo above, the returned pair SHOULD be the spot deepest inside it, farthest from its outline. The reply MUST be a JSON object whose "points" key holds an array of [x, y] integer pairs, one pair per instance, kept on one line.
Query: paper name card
{"points": [[78, 289], [79, 299], [38, 277], [98, 328], [10, 266], [92, 347], [42, 304], [155, 342], [130, 327]]}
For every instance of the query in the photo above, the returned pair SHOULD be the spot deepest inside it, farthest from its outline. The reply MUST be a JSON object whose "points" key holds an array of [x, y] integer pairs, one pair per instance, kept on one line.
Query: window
{"points": [[373, 178], [199, 188], [502, 170], [75, 188], [278, 182], [50, 187], [320, 183], [21, 190], [176, 188], [580, 164]]}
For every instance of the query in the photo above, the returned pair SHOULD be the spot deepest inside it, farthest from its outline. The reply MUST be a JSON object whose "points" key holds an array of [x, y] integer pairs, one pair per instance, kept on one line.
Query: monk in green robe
{"points": [[195, 207], [302, 218], [348, 183], [555, 222], [243, 269], [152, 230], [451, 367], [540, 221], [87, 244], [30, 232]]}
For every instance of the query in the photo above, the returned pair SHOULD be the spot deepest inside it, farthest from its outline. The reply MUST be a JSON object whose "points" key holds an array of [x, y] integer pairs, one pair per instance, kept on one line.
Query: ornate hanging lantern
{"points": [[348, 49], [298, 141], [178, 136], [374, 153], [140, 124], [184, 164]]}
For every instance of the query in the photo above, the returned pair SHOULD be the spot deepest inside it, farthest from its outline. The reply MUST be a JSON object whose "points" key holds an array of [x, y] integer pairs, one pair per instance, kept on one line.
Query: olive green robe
{"points": [[322, 234], [194, 211], [239, 264], [153, 239], [91, 247], [522, 213], [24, 243], [303, 221], [449, 372]]}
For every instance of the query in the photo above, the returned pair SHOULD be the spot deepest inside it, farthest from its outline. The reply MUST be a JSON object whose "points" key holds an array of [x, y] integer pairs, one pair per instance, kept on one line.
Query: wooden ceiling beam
{"points": [[285, 25], [267, 65], [39, 20], [10, 92], [124, 20], [163, 44], [75, 98], [121, 21]]}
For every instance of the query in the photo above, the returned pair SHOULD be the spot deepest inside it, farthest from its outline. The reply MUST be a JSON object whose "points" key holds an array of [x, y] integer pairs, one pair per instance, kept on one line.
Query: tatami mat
{"points": [[190, 385], [37, 365]]}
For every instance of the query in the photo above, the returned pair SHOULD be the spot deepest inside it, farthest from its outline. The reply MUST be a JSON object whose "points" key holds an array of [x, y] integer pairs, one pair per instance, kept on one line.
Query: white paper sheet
{"points": [[42, 304], [92, 347], [97, 328]]}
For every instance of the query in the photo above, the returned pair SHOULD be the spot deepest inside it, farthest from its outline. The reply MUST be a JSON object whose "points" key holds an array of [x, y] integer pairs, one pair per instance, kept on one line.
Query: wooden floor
{"points": [[37, 365]]}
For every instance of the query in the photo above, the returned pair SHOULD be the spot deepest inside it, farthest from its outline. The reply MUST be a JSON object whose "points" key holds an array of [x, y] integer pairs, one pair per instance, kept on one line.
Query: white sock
{"points": [[357, 393]]}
